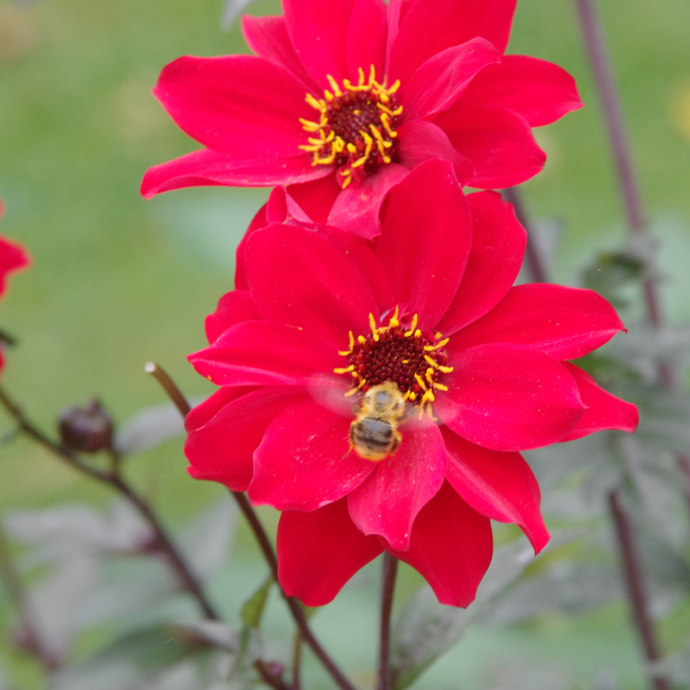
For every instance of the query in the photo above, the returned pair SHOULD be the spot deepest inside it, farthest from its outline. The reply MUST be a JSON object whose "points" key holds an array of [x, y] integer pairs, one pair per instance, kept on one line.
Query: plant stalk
{"points": [[389, 573], [295, 607], [162, 541], [533, 258], [637, 595]]}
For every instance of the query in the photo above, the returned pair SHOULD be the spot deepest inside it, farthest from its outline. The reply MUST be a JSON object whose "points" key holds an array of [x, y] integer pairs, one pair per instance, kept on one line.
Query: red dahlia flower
{"points": [[345, 98], [12, 258], [428, 310]]}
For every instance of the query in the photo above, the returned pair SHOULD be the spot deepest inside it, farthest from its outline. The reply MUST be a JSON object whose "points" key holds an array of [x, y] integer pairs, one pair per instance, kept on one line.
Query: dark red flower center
{"points": [[356, 129], [413, 359]]}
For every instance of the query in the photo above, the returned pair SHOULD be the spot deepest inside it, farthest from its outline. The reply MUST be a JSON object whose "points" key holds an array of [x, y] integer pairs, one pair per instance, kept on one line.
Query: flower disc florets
{"points": [[356, 129], [411, 358]]}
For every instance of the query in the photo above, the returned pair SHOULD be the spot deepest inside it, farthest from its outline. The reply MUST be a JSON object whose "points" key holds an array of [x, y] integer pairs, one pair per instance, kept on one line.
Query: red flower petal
{"points": [[498, 244], [319, 552], [430, 26], [451, 547], [388, 502], [441, 80], [205, 411], [500, 486], [209, 168], [425, 240], [316, 198], [498, 141], [357, 207], [233, 308], [304, 461], [369, 264], [508, 397], [223, 448], [604, 411], [260, 353], [302, 279], [13, 257], [259, 221], [268, 38], [239, 105], [420, 141], [366, 39], [538, 90], [563, 322], [318, 31]]}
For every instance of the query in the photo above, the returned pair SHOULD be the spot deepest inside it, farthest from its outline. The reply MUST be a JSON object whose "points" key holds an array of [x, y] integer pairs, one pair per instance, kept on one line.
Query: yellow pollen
{"points": [[346, 370], [386, 356], [356, 126], [372, 325], [345, 353], [442, 343]]}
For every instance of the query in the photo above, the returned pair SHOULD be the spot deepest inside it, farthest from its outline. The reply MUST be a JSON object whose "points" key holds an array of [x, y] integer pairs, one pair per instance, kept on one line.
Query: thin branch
{"points": [[637, 225], [637, 595], [295, 607], [534, 260], [390, 571], [163, 542], [264, 543], [613, 115], [297, 661], [169, 386]]}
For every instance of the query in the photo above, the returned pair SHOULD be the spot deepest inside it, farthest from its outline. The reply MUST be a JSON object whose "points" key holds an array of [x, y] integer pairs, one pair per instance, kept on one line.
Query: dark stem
{"points": [[113, 479], [610, 102], [264, 542], [32, 641], [535, 261], [169, 386], [164, 544], [297, 661], [295, 607], [635, 584], [390, 571]]}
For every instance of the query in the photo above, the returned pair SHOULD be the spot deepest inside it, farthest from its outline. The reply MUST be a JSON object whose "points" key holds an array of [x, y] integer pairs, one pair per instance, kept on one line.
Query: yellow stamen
{"points": [[334, 85], [345, 353], [345, 370], [430, 348], [421, 383], [394, 323], [440, 386], [313, 102]]}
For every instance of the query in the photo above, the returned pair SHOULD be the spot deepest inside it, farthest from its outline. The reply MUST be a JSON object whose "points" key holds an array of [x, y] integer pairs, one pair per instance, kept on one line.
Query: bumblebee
{"points": [[374, 434]]}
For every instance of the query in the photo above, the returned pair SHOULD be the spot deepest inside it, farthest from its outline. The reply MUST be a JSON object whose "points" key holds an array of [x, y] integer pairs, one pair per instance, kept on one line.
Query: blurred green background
{"points": [[117, 281]]}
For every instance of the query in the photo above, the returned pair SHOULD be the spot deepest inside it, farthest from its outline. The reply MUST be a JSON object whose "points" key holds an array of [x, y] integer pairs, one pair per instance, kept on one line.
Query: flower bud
{"points": [[86, 429]]}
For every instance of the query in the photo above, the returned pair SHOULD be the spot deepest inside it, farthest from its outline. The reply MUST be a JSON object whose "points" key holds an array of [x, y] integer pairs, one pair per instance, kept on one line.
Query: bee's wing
{"points": [[330, 392]]}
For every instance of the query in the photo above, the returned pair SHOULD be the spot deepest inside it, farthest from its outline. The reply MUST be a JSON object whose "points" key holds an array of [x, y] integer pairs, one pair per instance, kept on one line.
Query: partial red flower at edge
{"points": [[429, 305], [344, 99], [12, 258]]}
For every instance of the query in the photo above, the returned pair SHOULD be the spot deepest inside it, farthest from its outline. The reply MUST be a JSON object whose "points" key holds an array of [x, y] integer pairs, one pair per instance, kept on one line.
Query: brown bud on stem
{"points": [[86, 429]]}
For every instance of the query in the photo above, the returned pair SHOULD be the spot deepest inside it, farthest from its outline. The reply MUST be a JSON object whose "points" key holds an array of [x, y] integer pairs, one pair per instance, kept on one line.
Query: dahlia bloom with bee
{"points": [[320, 317], [12, 258], [344, 98]]}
